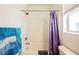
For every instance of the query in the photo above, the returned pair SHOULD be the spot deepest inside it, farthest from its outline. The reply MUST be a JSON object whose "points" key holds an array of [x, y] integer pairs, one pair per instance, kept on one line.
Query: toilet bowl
{"points": [[65, 51]]}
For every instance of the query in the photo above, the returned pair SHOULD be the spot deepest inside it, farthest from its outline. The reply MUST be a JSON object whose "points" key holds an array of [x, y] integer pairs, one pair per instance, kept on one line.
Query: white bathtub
{"points": [[29, 53], [65, 51]]}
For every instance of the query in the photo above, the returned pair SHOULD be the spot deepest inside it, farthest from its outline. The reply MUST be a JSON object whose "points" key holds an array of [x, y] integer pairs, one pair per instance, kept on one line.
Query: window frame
{"points": [[67, 22]]}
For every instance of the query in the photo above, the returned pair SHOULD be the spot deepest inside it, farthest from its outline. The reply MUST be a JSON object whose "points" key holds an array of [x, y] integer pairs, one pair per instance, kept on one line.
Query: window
{"points": [[71, 22]]}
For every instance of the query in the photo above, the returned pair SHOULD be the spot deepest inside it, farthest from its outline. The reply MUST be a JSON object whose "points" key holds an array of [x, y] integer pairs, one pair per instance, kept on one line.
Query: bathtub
{"points": [[65, 51], [28, 52]]}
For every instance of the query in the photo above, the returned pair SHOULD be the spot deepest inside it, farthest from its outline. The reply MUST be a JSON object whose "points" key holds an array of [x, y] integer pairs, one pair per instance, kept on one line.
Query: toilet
{"points": [[65, 51]]}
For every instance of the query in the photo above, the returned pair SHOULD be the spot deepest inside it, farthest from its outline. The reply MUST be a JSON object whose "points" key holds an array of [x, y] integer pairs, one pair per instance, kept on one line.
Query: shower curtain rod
{"points": [[38, 10]]}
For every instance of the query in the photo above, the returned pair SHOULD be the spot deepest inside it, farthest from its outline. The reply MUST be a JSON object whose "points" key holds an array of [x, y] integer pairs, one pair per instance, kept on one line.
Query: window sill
{"points": [[75, 33]]}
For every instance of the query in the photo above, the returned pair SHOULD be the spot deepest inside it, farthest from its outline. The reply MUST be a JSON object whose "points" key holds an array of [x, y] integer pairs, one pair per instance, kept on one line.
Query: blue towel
{"points": [[9, 46]]}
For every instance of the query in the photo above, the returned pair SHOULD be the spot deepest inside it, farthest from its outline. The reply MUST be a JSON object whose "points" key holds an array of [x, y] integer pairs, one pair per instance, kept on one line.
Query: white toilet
{"points": [[65, 51]]}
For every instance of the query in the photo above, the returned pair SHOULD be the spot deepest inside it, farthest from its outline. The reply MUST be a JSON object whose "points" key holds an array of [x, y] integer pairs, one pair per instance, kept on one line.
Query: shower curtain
{"points": [[10, 41], [53, 34]]}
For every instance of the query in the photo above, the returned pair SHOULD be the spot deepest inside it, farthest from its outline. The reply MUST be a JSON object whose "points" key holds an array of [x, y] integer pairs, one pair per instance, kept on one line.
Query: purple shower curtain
{"points": [[54, 34]]}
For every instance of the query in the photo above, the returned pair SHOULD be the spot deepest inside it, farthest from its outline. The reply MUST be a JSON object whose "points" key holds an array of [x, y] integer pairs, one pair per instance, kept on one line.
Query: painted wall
{"points": [[35, 26], [68, 7], [71, 40]]}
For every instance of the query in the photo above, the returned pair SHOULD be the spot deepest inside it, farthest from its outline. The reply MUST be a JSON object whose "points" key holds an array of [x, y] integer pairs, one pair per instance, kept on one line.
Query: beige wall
{"points": [[35, 26], [70, 40], [68, 7]]}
